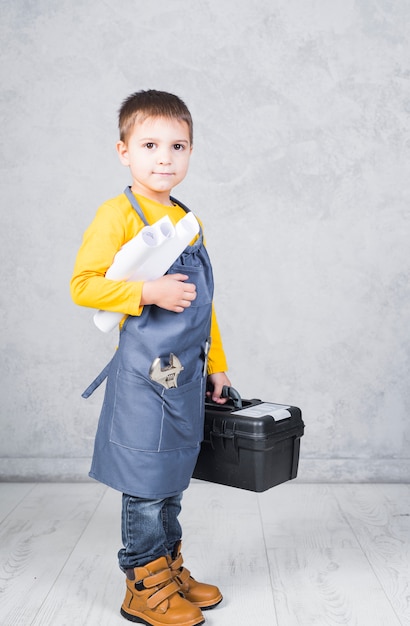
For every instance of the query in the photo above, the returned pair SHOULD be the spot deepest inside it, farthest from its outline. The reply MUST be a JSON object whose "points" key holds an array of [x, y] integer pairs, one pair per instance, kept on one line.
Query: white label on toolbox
{"points": [[277, 411]]}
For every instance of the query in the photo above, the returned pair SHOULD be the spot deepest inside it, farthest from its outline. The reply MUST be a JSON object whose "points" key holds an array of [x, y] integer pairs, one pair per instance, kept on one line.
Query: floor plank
{"points": [[304, 516], [380, 517], [11, 494], [35, 541], [224, 544], [327, 587], [320, 573], [90, 588]]}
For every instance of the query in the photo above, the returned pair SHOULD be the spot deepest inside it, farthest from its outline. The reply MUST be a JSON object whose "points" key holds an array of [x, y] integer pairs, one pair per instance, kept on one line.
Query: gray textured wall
{"points": [[300, 173]]}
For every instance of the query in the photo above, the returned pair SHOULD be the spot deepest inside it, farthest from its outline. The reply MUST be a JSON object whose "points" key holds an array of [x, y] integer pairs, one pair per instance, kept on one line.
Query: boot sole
{"points": [[207, 607], [141, 620]]}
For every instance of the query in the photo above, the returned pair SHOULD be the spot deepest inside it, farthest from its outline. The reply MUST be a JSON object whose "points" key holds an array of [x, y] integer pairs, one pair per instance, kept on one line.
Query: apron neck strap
{"points": [[136, 206]]}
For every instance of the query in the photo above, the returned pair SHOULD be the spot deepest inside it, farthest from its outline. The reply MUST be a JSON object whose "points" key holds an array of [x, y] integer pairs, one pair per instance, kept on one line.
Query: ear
{"points": [[122, 151]]}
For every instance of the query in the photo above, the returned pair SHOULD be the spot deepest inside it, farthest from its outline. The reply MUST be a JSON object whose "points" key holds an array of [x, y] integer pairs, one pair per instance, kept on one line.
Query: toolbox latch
{"points": [[223, 440]]}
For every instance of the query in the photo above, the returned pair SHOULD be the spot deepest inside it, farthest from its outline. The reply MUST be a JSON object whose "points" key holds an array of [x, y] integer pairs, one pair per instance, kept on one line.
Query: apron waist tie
{"points": [[96, 382]]}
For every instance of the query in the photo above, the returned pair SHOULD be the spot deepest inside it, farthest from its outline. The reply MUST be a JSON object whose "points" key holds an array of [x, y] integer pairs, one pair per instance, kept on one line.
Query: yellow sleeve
{"points": [[107, 233], [216, 357]]}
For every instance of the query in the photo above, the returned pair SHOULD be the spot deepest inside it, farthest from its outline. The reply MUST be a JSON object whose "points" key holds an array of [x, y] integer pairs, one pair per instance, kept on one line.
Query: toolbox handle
{"points": [[230, 392]]}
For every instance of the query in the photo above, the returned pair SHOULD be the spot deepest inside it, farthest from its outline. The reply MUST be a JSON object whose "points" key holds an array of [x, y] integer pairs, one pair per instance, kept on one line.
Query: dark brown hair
{"points": [[152, 103]]}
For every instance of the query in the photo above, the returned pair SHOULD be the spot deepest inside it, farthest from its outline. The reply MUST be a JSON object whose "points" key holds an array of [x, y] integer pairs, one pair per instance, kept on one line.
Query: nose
{"points": [[164, 156]]}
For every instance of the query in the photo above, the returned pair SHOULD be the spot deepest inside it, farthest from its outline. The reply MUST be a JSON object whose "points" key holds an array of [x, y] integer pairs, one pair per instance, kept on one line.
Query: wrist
{"points": [[146, 293]]}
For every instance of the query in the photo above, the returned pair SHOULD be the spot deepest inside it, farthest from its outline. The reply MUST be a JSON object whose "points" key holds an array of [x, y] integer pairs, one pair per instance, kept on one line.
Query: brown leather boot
{"points": [[200, 594], [153, 598]]}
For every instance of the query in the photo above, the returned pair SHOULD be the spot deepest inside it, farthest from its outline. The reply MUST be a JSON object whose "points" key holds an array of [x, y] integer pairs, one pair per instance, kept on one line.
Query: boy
{"points": [[149, 431]]}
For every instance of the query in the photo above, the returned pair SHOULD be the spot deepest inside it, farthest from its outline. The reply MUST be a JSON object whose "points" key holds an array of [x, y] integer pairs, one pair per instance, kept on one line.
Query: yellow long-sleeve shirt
{"points": [[115, 223]]}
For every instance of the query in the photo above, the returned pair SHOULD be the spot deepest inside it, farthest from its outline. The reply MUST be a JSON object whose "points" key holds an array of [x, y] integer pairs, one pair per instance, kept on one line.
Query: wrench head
{"points": [[167, 376]]}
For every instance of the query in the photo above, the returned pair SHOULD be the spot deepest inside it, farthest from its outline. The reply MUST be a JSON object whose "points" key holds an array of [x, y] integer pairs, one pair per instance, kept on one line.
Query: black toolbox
{"points": [[249, 444]]}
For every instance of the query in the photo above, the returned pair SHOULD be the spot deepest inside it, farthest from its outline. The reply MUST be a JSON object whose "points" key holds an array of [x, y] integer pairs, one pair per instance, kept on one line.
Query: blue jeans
{"points": [[150, 529]]}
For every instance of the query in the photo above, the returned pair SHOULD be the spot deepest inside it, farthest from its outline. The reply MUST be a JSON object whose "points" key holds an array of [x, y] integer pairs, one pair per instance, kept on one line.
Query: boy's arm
{"points": [[216, 357], [107, 233], [89, 287], [217, 364]]}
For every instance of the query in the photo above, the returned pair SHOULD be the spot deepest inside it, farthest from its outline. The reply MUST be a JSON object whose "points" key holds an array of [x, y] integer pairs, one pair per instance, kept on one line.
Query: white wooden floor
{"points": [[320, 555]]}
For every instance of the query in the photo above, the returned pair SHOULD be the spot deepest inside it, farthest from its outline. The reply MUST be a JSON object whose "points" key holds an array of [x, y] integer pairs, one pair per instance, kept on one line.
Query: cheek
{"points": [[185, 163], [141, 164]]}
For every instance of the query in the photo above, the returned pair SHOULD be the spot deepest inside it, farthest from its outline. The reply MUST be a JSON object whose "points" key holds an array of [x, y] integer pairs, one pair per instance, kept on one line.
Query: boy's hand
{"points": [[218, 380], [169, 292]]}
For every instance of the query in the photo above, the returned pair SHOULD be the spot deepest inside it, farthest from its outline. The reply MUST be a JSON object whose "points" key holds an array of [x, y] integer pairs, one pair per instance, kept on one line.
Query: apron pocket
{"points": [[136, 414], [183, 416], [150, 418]]}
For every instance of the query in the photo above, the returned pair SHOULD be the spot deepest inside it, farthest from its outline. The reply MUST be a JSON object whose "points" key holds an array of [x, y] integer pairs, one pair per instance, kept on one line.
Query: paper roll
{"points": [[136, 251], [159, 262], [142, 261]]}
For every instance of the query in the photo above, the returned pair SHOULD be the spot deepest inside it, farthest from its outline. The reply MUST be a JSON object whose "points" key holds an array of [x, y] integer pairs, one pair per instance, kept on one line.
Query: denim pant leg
{"points": [[150, 529], [170, 523]]}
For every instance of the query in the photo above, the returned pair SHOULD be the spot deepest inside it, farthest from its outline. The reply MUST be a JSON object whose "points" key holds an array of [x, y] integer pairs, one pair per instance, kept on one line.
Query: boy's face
{"points": [[157, 152]]}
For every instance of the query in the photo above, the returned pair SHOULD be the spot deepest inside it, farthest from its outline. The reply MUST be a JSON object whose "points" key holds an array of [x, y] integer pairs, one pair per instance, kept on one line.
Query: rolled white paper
{"points": [[136, 251], [159, 262], [142, 261]]}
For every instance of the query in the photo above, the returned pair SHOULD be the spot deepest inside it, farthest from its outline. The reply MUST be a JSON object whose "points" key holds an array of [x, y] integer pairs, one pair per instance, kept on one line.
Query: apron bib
{"points": [[149, 431]]}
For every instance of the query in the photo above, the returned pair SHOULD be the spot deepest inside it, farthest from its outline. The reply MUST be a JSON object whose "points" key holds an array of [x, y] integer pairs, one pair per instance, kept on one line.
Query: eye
{"points": [[149, 145], [178, 147]]}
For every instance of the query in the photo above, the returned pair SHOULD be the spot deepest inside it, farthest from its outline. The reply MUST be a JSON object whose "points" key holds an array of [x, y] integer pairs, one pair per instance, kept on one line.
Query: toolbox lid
{"points": [[255, 419]]}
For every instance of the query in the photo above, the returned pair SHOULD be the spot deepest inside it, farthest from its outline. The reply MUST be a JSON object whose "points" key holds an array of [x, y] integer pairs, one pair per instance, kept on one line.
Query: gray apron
{"points": [[149, 436]]}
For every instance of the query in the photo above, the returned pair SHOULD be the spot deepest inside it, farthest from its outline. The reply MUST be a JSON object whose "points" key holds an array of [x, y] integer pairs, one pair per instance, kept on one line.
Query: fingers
{"points": [[178, 276], [186, 293], [172, 292], [217, 392], [185, 302], [218, 381], [189, 296]]}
